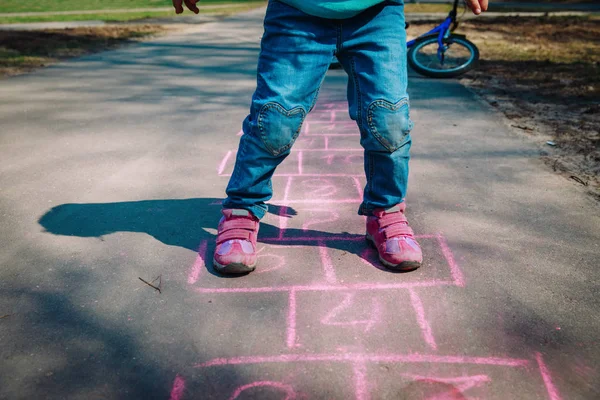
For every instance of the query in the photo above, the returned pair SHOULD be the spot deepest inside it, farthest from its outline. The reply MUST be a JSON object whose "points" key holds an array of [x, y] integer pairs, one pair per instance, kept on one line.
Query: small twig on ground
{"points": [[159, 279], [578, 179], [5, 316], [151, 285], [525, 128]]}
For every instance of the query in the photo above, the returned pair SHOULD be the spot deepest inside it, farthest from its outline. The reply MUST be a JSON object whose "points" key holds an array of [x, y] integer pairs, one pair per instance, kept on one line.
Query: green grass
{"points": [[14, 6], [117, 17], [128, 16], [13, 58]]}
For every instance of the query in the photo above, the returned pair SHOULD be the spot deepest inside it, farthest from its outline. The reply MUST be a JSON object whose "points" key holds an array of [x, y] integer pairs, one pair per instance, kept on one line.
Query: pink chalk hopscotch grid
{"points": [[362, 386], [319, 143], [330, 284]]}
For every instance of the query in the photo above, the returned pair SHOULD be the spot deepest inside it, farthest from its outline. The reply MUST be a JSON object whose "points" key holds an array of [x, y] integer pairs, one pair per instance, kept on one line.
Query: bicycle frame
{"points": [[442, 30]]}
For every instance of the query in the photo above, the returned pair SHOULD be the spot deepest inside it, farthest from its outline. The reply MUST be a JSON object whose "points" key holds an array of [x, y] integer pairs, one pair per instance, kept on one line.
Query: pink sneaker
{"points": [[236, 242], [389, 233]]}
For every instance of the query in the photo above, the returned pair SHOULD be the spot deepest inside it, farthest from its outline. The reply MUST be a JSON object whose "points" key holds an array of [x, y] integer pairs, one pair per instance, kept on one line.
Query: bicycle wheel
{"points": [[458, 56]]}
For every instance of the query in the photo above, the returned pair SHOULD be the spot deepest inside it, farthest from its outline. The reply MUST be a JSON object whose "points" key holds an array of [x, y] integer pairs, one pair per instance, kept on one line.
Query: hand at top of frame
{"points": [[477, 6], [191, 5]]}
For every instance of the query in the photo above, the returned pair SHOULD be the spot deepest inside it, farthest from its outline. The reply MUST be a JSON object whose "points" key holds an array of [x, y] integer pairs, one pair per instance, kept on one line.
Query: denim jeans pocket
{"points": [[279, 127], [389, 123]]}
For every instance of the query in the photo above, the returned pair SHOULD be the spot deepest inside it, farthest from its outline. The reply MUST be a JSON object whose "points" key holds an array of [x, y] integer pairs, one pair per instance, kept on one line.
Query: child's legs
{"points": [[296, 50], [374, 55]]}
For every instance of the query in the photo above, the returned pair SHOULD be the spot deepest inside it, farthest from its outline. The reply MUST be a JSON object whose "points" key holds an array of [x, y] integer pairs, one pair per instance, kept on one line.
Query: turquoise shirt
{"points": [[335, 9]]}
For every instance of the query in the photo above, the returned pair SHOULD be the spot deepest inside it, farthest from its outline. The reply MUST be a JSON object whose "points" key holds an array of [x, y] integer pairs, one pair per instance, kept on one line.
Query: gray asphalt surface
{"points": [[112, 170]]}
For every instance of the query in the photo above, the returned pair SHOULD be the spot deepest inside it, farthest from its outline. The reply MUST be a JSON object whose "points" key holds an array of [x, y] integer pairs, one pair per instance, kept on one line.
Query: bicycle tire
{"points": [[428, 45]]}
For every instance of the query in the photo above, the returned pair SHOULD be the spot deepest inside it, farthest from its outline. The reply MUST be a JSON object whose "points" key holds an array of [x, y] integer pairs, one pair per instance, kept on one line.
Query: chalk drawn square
{"points": [[432, 380], [320, 190], [330, 111], [279, 267], [314, 128], [355, 264], [334, 114], [329, 102], [357, 321], [242, 323], [461, 379], [314, 143], [343, 143], [316, 221], [331, 163], [383, 375]]}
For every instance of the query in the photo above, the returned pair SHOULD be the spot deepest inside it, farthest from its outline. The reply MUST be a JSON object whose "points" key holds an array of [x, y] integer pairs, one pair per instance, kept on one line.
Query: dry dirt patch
{"points": [[543, 74]]}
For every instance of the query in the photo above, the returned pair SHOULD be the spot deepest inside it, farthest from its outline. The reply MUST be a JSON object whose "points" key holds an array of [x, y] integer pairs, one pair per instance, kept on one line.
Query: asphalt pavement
{"points": [[112, 171]]}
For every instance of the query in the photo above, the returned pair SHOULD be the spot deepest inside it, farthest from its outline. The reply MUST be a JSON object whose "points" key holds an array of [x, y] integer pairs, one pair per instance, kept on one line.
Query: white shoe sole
{"points": [[233, 268], [404, 266]]}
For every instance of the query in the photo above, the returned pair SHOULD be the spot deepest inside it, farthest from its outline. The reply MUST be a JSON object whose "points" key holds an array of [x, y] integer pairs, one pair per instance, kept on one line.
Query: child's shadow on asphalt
{"points": [[183, 222]]}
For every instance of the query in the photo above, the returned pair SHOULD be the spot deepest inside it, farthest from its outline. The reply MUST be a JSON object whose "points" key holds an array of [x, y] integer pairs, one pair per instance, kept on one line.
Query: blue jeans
{"points": [[296, 50]]}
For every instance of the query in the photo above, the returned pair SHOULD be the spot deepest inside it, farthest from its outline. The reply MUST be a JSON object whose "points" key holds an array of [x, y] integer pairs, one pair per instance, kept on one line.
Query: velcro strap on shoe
{"points": [[391, 219], [233, 234], [240, 213], [398, 230], [239, 223], [393, 209]]}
